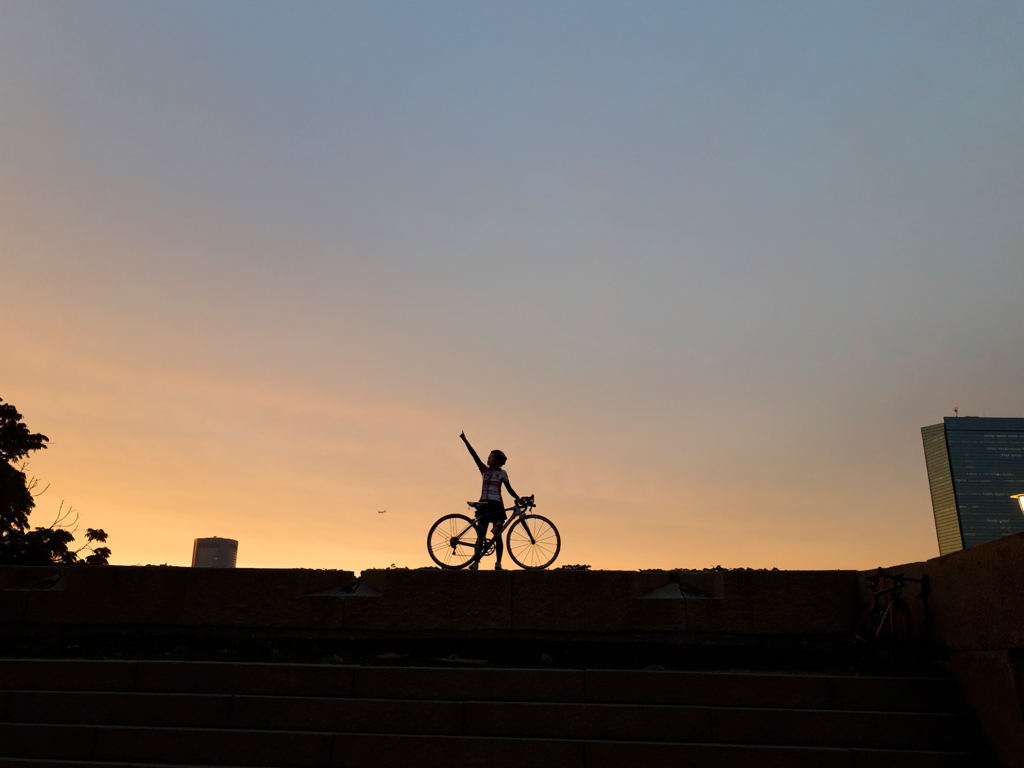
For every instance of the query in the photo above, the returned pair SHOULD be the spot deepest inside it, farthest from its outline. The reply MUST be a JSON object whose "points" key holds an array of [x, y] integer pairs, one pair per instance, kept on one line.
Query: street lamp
{"points": [[1020, 500]]}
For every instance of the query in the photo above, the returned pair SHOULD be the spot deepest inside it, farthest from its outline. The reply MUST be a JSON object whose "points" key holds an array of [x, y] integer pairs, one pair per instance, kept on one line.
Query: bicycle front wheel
{"points": [[533, 542], [452, 541]]}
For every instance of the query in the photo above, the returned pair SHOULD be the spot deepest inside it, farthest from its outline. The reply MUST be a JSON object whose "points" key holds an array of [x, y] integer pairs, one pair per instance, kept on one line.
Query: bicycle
{"points": [[457, 541], [887, 624]]}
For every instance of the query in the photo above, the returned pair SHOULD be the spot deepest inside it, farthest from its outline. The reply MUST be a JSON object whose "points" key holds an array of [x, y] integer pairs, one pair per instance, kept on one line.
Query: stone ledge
{"points": [[731, 603]]}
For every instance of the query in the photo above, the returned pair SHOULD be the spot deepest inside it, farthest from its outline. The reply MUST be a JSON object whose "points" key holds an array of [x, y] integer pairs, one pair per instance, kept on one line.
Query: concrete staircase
{"points": [[148, 713]]}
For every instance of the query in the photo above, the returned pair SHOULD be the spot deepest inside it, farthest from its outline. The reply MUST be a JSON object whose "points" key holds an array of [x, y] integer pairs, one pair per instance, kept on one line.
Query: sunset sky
{"points": [[702, 270]]}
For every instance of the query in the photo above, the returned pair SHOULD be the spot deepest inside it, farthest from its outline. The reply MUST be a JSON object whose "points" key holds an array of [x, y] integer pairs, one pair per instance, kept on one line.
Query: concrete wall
{"points": [[506, 602], [976, 611], [977, 596], [169, 597]]}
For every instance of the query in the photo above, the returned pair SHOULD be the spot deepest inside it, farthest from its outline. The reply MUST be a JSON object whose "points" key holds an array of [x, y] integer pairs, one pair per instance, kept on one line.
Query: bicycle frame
{"points": [[456, 541], [517, 512], [881, 611]]}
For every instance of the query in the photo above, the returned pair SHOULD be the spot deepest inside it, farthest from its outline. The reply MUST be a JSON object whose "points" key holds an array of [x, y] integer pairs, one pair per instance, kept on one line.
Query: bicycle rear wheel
{"points": [[898, 641], [452, 541], [533, 542]]}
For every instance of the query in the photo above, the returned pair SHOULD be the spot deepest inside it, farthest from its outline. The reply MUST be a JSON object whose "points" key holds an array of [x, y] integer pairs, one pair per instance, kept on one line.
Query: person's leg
{"points": [[499, 549], [481, 533], [498, 519]]}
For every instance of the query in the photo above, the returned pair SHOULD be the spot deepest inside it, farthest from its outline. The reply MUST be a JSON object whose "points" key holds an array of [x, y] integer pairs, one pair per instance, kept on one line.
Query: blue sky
{"points": [[702, 270]]}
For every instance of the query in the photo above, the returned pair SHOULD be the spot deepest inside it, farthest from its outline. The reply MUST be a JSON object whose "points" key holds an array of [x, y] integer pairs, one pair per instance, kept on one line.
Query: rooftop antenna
{"points": [[955, 411]]}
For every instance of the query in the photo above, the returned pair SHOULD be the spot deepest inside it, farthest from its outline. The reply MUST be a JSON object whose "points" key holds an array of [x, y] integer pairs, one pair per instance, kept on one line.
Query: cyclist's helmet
{"points": [[502, 458]]}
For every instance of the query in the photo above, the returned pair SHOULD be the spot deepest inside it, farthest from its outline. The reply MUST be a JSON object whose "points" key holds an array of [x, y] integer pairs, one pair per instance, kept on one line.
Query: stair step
{"points": [[27, 762], [152, 713], [751, 689], [83, 708], [175, 746], [717, 725], [636, 722], [69, 746], [738, 689], [655, 755]]}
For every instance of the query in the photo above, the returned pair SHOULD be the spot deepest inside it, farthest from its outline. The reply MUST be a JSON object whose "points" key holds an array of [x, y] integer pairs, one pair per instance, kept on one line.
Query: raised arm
{"points": [[480, 465]]}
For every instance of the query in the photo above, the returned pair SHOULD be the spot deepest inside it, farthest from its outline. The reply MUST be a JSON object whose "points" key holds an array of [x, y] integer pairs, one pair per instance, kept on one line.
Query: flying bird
{"points": [[381, 511]]}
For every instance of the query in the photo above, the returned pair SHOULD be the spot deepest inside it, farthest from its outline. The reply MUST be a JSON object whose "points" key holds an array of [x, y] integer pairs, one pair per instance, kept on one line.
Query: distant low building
{"points": [[975, 468], [214, 552]]}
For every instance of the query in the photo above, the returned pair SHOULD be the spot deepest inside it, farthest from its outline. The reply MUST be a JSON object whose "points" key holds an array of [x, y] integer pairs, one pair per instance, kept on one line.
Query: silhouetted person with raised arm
{"points": [[490, 510]]}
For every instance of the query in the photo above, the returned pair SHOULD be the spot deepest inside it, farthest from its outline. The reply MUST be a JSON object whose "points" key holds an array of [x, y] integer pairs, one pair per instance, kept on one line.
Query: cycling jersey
{"points": [[493, 478]]}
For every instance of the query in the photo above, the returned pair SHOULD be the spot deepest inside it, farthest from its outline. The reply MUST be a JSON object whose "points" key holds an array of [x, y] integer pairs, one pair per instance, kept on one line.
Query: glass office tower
{"points": [[214, 552], [975, 466]]}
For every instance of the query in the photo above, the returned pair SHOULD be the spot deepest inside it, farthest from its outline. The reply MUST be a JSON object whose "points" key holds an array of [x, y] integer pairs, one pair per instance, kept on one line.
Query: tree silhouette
{"points": [[45, 545], [16, 501]]}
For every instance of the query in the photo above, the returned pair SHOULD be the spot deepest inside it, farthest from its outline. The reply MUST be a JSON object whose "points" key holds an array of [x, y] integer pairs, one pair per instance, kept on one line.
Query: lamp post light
{"points": [[1020, 500]]}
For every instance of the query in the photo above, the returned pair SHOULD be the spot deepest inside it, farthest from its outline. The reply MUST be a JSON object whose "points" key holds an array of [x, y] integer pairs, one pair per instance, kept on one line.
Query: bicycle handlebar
{"points": [[525, 502], [898, 580], [894, 577]]}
